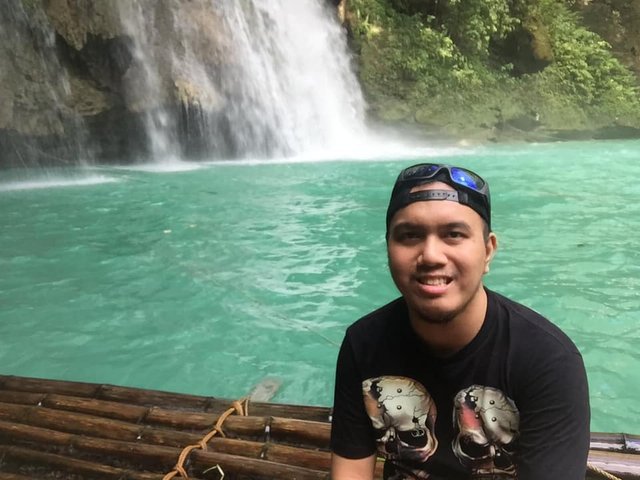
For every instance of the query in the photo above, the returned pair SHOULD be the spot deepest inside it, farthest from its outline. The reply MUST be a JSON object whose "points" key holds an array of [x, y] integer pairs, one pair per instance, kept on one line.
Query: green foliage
{"points": [[473, 24], [442, 70], [367, 16], [401, 50], [585, 69]]}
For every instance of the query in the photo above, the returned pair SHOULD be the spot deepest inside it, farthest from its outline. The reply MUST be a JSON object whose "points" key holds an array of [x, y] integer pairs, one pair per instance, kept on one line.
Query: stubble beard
{"points": [[424, 315], [435, 318]]}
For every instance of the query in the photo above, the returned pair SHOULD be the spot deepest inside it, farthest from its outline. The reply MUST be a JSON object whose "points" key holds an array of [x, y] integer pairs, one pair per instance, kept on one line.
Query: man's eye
{"points": [[409, 236], [455, 234]]}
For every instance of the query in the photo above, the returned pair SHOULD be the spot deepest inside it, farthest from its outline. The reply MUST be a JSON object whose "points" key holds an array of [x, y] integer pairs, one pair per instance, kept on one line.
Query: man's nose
{"points": [[432, 252]]}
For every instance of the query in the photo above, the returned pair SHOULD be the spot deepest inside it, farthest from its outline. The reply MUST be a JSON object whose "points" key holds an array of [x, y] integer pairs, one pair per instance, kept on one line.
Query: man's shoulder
{"points": [[529, 325]]}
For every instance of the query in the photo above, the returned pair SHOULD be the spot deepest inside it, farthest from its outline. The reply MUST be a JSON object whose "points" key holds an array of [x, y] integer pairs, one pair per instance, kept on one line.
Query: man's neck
{"points": [[447, 338]]}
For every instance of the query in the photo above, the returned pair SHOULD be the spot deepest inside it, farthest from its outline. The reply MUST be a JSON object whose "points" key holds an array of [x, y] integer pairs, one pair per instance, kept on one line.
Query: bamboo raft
{"points": [[52, 429]]}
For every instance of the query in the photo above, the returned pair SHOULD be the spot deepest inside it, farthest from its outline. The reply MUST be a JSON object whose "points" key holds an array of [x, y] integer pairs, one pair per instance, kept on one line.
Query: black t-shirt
{"points": [[513, 403]]}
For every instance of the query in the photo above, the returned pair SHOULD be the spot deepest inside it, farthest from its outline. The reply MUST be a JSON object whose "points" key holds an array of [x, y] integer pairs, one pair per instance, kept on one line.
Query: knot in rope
{"points": [[239, 407]]}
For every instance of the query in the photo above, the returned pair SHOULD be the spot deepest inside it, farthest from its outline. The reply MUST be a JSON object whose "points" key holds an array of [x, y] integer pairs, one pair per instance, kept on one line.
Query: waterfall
{"points": [[145, 89], [298, 92], [167, 80], [252, 78]]}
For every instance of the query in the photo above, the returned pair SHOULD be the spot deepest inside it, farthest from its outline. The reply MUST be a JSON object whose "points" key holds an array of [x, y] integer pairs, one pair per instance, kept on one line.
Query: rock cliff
{"points": [[74, 86]]}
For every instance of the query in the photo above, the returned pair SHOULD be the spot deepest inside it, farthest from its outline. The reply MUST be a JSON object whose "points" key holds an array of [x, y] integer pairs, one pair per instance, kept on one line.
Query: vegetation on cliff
{"points": [[491, 68]]}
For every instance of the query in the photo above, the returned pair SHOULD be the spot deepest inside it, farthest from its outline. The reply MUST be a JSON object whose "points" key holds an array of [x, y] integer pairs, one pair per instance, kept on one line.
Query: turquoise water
{"points": [[207, 281]]}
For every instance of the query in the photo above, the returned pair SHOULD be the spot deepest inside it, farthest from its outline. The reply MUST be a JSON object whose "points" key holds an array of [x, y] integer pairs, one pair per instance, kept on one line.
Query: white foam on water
{"points": [[33, 184], [164, 167], [380, 150], [391, 153], [265, 389]]}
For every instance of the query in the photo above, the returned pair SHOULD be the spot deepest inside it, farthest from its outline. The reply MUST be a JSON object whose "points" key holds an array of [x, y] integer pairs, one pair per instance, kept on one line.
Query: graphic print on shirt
{"points": [[403, 416], [486, 424]]}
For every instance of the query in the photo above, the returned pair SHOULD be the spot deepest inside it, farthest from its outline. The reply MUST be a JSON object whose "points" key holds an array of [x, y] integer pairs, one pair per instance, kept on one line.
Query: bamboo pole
{"points": [[114, 410], [26, 456], [621, 442], [154, 456], [14, 476], [37, 385], [138, 396], [623, 465], [301, 431], [158, 457], [165, 453], [70, 422], [62, 423], [25, 398], [260, 468], [315, 434]]}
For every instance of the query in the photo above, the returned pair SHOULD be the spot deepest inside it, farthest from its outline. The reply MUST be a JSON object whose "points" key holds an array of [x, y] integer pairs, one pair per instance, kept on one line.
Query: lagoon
{"points": [[206, 278]]}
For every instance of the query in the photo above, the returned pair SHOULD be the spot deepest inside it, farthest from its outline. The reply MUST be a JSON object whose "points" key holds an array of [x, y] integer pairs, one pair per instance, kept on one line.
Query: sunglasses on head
{"points": [[460, 176]]}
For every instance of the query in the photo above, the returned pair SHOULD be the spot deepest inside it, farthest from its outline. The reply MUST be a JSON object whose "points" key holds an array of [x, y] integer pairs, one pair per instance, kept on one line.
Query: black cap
{"points": [[476, 197]]}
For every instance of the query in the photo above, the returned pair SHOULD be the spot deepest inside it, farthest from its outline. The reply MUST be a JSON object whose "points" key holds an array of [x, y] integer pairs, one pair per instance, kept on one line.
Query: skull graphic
{"points": [[403, 416], [486, 423]]}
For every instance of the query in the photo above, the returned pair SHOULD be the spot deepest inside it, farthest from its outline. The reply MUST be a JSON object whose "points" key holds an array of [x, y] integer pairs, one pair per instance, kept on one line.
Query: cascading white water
{"points": [[144, 81], [258, 78], [294, 86]]}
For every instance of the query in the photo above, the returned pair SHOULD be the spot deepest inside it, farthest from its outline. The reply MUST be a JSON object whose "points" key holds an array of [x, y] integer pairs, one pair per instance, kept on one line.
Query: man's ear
{"points": [[491, 246]]}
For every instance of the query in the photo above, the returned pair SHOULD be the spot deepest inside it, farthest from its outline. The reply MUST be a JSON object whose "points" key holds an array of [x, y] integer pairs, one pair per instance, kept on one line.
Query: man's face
{"points": [[437, 256]]}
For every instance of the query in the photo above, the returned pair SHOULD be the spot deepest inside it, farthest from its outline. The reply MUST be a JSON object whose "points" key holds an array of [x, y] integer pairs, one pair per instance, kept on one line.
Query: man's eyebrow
{"points": [[417, 225], [454, 225], [407, 224]]}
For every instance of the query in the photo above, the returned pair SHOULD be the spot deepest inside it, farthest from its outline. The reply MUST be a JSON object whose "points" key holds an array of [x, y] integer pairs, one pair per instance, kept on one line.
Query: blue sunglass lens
{"points": [[430, 169], [464, 178]]}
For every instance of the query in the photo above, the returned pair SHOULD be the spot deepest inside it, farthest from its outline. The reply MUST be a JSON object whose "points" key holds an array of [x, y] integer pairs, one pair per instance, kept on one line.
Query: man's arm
{"points": [[352, 439], [349, 469], [554, 422]]}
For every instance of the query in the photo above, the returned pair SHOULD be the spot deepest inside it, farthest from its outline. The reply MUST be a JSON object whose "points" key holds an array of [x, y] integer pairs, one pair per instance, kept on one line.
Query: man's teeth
{"points": [[435, 281]]}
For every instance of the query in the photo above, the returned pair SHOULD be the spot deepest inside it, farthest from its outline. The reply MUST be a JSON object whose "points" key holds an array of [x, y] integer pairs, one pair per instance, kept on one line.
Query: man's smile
{"points": [[433, 285], [435, 280]]}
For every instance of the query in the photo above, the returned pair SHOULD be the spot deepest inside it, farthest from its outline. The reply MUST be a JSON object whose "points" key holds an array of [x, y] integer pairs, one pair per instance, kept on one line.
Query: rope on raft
{"points": [[602, 472], [241, 407]]}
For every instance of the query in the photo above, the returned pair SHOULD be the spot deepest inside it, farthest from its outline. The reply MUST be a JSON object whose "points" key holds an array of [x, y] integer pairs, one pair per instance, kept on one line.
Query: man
{"points": [[453, 381]]}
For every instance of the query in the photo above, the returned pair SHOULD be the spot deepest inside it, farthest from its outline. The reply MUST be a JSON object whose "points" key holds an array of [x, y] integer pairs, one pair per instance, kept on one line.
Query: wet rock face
{"points": [[75, 20], [69, 68], [24, 92]]}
